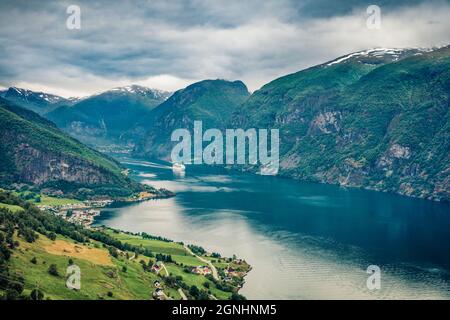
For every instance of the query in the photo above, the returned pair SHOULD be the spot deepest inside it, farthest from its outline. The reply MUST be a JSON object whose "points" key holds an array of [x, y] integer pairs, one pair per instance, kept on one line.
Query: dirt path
{"points": [[215, 274], [165, 269], [183, 296]]}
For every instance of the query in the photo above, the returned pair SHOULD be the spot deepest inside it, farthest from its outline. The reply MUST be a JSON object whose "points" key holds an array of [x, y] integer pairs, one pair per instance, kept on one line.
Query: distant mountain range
{"points": [[376, 119], [39, 102], [109, 117]]}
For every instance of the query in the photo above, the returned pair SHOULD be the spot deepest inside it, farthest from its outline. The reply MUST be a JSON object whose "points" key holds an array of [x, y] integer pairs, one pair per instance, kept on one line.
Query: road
{"points": [[215, 274], [165, 269], [183, 296]]}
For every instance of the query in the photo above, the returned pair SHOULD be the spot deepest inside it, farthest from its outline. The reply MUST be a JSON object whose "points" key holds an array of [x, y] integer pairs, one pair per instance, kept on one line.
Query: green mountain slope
{"points": [[37, 248], [377, 119], [34, 151], [209, 101], [110, 117]]}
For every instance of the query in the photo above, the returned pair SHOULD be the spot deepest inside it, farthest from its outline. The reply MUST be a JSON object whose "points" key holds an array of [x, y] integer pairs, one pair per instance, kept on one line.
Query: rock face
{"points": [[39, 167], [34, 151], [377, 119]]}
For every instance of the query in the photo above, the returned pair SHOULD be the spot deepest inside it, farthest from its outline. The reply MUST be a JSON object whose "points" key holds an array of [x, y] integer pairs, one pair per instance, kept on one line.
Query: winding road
{"points": [[215, 274]]}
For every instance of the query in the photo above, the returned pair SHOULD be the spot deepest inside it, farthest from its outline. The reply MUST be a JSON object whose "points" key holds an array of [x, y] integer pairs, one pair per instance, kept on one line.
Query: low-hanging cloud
{"points": [[168, 45]]}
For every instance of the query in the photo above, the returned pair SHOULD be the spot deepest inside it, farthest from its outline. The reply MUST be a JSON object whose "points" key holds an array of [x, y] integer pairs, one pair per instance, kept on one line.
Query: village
{"points": [[233, 273], [82, 213]]}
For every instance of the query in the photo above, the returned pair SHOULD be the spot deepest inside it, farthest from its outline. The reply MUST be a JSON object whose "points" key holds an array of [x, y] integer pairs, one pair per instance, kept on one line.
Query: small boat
{"points": [[178, 167], [268, 170]]}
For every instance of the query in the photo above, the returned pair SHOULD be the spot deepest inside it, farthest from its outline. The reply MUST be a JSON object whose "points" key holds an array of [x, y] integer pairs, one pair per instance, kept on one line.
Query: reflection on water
{"points": [[304, 241]]}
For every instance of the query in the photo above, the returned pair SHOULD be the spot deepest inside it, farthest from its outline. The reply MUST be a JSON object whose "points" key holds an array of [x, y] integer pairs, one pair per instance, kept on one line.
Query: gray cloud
{"points": [[169, 44]]}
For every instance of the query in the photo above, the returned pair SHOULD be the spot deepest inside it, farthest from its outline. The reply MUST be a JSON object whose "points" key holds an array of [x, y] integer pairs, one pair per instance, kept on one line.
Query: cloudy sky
{"points": [[172, 43]]}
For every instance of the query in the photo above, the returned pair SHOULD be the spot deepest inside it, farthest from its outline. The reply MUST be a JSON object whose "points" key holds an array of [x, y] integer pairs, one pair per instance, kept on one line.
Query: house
{"points": [[159, 294], [203, 270], [231, 272], [156, 267]]}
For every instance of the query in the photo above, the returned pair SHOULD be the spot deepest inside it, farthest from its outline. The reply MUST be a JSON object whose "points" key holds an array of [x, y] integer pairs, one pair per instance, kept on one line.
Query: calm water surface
{"points": [[304, 241]]}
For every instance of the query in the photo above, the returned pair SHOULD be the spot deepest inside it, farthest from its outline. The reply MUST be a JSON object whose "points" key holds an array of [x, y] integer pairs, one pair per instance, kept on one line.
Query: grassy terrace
{"points": [[100, 273], [182, 260], [52, 201], [103, 274], [10, 207], [41, 199], [113, 264], [156, 246]]}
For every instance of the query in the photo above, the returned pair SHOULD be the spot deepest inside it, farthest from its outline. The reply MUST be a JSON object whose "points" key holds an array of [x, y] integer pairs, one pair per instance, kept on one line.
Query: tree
{"points": [[11, 294], [124, 269], [113, 252], [193, 291], [70, 261], [52, 236], [33, 260], [36, 294], [109, 294], [237, 296], [53, 270]]}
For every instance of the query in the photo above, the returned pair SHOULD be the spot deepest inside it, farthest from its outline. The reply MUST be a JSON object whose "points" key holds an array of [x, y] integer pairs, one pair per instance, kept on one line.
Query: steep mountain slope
{"points": [[109, 117], [209, 101], [34, 151], [377, 119], [38, 102]]}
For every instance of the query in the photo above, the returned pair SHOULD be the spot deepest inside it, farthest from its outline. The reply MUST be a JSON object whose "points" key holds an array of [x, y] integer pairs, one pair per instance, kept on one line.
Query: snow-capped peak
{"points": [[142, 91], [393, 53], [28, 94]]}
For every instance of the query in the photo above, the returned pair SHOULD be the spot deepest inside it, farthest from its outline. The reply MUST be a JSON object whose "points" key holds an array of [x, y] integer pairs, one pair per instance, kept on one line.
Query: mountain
{"points": [[109, 117], [209, 101], [34, 151], [38, 102], [377, 119]]}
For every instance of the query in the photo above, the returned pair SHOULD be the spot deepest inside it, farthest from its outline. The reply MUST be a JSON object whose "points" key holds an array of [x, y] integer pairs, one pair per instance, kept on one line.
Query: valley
{"points": [[86, 182]]}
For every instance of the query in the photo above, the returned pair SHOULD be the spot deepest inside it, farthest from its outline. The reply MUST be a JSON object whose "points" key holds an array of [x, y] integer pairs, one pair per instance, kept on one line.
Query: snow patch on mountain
{"points": [[394, 53], [26, 95], [136, 89]]}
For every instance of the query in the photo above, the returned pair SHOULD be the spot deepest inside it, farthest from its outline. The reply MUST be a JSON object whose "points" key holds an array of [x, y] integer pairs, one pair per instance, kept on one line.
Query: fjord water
{"points": [[304, 240]]}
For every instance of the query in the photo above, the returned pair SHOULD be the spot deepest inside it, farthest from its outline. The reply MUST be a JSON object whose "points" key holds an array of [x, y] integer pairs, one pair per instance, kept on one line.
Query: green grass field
{"points": [[44, 199], [53, 201], [179, 255], [156, 246], [11, 207], [102, 274], [96, 280]]}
